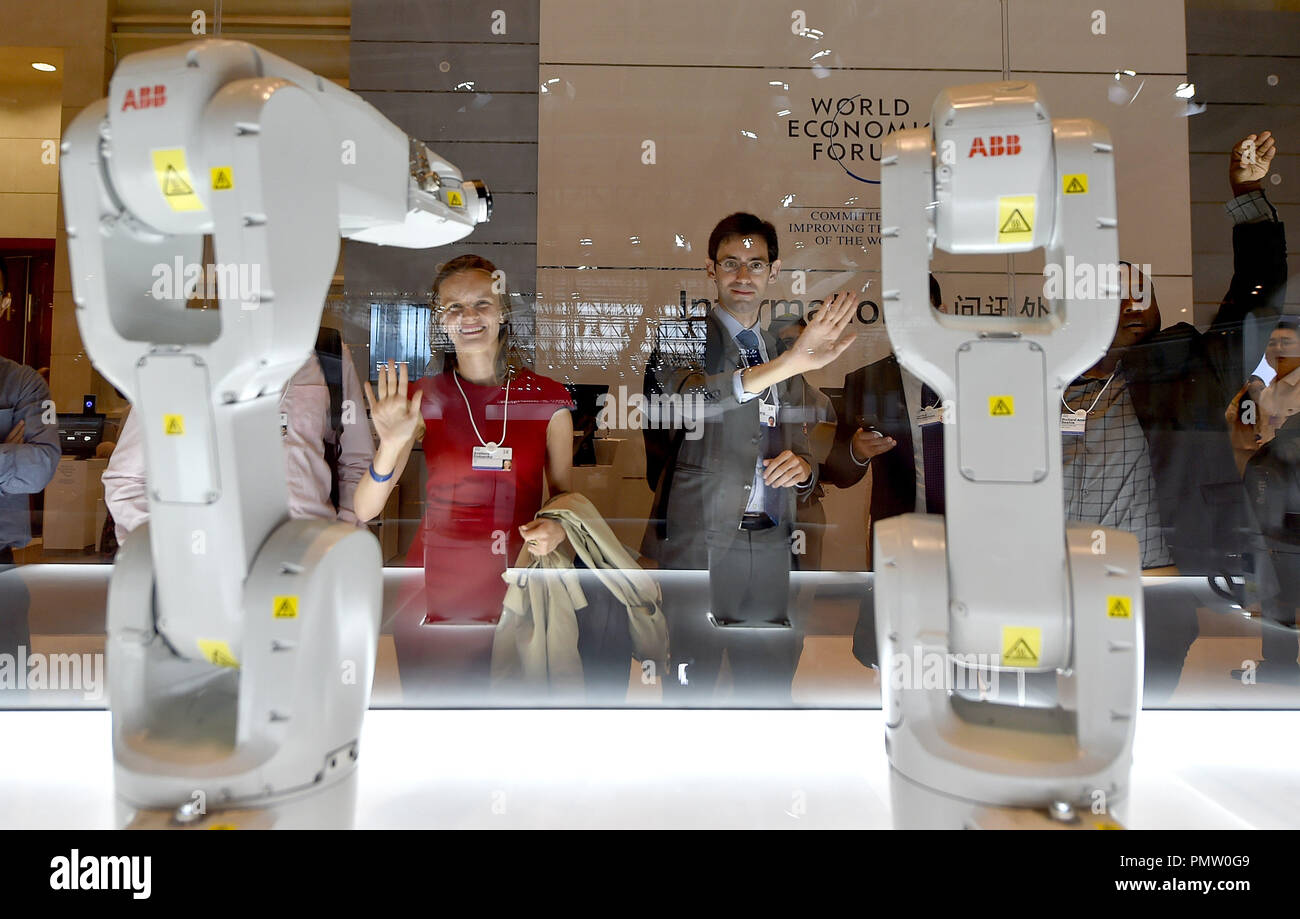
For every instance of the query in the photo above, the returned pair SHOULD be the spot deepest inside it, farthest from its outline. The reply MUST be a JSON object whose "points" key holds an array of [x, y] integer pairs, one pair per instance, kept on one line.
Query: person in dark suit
{"points": [[879, 428], [891, 422], [725, 500]]}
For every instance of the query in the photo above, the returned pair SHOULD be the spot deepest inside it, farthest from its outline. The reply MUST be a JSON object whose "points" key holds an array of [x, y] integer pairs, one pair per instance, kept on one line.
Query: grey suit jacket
{"points": [[28, 465], [704, 483]]}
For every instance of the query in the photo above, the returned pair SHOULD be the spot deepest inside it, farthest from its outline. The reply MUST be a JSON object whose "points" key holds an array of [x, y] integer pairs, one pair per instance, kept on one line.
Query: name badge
{"points": [[492, 459], [767, 414], [931, 414], [284, 424], [1074, 422]]}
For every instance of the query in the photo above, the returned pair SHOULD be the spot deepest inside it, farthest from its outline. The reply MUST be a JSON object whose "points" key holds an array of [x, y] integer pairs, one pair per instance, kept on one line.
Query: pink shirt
{"points": [[306, 403]]}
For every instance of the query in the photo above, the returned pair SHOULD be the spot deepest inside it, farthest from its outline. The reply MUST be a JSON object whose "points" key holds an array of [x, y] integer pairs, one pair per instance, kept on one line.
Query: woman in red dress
{"points": [[494, 432]]}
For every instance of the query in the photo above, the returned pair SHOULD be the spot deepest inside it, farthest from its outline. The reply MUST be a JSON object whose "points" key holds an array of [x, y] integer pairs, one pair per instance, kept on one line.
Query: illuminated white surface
{"points": [[668, 769]]}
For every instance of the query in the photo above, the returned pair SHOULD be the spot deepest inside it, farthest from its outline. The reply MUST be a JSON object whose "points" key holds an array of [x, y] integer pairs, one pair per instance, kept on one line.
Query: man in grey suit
{"points": [[725, 500]]}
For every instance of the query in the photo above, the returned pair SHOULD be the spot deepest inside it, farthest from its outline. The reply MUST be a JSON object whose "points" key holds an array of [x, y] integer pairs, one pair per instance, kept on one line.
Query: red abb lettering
{"points": [[998, 145], [146, 97]]}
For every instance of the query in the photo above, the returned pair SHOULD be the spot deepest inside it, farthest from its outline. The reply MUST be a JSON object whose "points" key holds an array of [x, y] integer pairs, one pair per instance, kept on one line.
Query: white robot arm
{"points": [[253, 633], [1003, 584]]}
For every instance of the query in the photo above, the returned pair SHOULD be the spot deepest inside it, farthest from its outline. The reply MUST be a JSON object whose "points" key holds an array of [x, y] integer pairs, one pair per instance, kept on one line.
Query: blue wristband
{"points": [[377, 477]]}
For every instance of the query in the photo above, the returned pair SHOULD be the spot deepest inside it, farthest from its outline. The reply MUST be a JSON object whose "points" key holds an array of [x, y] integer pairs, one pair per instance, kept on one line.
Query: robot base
{"points": [[279, 724], [916, 807], [330, 808], [981, 753]]}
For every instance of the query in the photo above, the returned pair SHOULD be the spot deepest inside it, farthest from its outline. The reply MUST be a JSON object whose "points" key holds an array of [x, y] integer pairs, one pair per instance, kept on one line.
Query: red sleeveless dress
{"points": [[470, 531]]}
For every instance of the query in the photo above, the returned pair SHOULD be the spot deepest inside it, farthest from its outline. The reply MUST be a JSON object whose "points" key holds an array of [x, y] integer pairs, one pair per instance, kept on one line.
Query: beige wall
{"points": [[80, 29], [29, 116], [716, 87]]}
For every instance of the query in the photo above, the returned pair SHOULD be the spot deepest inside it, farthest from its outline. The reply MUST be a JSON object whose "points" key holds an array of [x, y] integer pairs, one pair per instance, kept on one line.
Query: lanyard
{"points": [[1088, 411], [505, 417]]}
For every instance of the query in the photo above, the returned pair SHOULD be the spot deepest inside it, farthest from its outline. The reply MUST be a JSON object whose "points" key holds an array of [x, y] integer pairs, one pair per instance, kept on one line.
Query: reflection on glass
{"points": [[641, 321]]}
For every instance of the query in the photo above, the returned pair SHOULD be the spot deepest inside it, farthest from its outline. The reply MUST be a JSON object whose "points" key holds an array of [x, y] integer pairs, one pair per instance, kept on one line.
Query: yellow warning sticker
{"points": [[223, 826], [1075, 184], [1016, 218], [1106, 825], [1119, 607], [217, 652], [285, 607], [455, 199], [174, 180], [223, 178], [1002, 406], [173, 424], [1021, 647]]}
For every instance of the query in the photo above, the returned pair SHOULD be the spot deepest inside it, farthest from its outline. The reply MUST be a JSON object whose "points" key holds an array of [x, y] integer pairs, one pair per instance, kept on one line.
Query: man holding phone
{"points": [[885, 406], [892, 423]]}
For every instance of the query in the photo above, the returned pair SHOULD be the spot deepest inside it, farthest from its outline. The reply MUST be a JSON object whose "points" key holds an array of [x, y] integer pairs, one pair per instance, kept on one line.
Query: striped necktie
{"points": [[774, 499]]}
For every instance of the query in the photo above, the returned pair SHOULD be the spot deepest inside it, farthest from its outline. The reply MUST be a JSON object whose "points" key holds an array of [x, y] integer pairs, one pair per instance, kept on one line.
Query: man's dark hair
{"points": [[1290, 323], [936, 295], [742, 224], [1145, 283]]}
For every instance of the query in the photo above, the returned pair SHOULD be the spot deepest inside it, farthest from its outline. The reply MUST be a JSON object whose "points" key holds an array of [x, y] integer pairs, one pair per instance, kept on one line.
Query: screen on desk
{"points": [[80, 435]]}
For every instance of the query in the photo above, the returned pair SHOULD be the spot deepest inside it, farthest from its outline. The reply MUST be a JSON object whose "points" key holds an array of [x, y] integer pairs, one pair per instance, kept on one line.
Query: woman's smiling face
{"points": [[469, 311]]}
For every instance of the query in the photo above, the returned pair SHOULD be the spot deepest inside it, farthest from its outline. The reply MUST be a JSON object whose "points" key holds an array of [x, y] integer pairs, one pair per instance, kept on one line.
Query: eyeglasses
{"points": [[753, 266]]}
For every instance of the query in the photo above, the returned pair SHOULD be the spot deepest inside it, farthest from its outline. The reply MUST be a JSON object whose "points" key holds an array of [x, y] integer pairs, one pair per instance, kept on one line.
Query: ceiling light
{"points": [[44, 67]]}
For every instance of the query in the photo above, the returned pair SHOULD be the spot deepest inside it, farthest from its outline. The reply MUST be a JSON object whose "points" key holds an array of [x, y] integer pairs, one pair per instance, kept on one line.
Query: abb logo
{"points": [[145, 97], [997, 146]]}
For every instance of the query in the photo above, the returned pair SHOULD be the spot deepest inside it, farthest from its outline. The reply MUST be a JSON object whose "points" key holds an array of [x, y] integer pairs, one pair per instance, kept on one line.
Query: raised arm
{"points": [[1257, 292], [820, 343], [399, 424]]}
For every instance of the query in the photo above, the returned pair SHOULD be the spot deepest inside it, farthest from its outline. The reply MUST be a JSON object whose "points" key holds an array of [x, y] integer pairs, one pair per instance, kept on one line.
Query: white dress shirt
{"points": [[733, 326]]}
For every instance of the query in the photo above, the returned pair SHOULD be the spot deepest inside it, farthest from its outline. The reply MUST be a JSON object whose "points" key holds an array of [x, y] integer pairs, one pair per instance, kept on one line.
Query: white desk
{"points": [[668, 769]]}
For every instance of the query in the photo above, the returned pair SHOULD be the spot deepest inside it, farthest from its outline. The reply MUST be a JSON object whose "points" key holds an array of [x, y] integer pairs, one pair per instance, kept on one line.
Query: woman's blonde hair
{"points": [[442, 352]]}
